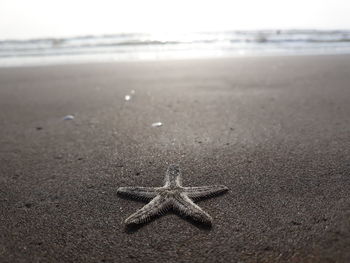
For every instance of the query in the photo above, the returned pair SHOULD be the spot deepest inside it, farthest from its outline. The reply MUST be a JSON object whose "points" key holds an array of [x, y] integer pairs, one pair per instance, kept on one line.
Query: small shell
{"points": [[68, 117], [157, 124]]}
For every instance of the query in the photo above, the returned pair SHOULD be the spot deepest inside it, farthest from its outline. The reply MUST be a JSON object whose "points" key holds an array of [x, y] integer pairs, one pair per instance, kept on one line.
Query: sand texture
{"points": [[274, 130]]}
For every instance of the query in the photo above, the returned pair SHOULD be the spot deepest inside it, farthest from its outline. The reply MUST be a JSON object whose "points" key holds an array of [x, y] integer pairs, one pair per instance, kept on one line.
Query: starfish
{"points": [[171, 196]]}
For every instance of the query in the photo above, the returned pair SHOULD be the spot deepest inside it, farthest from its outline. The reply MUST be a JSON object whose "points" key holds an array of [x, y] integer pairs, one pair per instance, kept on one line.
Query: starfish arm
{"points": [[189, 209], [204, 191], [146, 193], [157, 206], [173, 176]]}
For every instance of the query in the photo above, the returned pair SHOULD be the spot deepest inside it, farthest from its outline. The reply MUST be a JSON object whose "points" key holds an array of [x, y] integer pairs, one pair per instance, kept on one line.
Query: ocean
{"points": [[144, 46]]}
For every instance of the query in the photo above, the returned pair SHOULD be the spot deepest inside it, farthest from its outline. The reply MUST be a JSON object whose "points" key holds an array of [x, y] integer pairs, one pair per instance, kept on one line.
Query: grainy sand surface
{"points": [[275, 130]]}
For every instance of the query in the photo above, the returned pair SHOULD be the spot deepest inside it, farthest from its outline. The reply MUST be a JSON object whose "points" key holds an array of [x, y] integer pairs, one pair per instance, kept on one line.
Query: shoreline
{"points": [[108, 60], [148, 46]]}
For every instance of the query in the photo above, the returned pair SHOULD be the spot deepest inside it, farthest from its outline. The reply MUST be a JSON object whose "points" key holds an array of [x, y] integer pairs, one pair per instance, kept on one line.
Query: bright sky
{"points": [[48, 18]]}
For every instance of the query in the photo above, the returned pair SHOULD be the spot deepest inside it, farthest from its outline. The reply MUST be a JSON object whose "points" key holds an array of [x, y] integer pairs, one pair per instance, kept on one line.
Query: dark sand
{"points": [[275, 130]]}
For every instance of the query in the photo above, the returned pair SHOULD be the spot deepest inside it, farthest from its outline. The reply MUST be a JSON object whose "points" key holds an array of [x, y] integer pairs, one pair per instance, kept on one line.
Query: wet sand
{"points": [[275, 130]]}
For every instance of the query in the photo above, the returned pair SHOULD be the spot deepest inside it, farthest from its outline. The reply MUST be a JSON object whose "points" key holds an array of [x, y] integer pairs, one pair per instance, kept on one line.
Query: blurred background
{"points": [[54, 32]]}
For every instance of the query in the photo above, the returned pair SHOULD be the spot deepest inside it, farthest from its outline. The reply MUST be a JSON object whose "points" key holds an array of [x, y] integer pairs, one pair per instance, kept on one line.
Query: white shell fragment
{"points": [[157, 124], [127, 97], [68, 117]]}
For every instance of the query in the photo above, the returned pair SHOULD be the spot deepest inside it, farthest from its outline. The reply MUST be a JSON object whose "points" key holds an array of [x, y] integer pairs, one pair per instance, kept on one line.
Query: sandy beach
{"points": [[274, 130]]}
